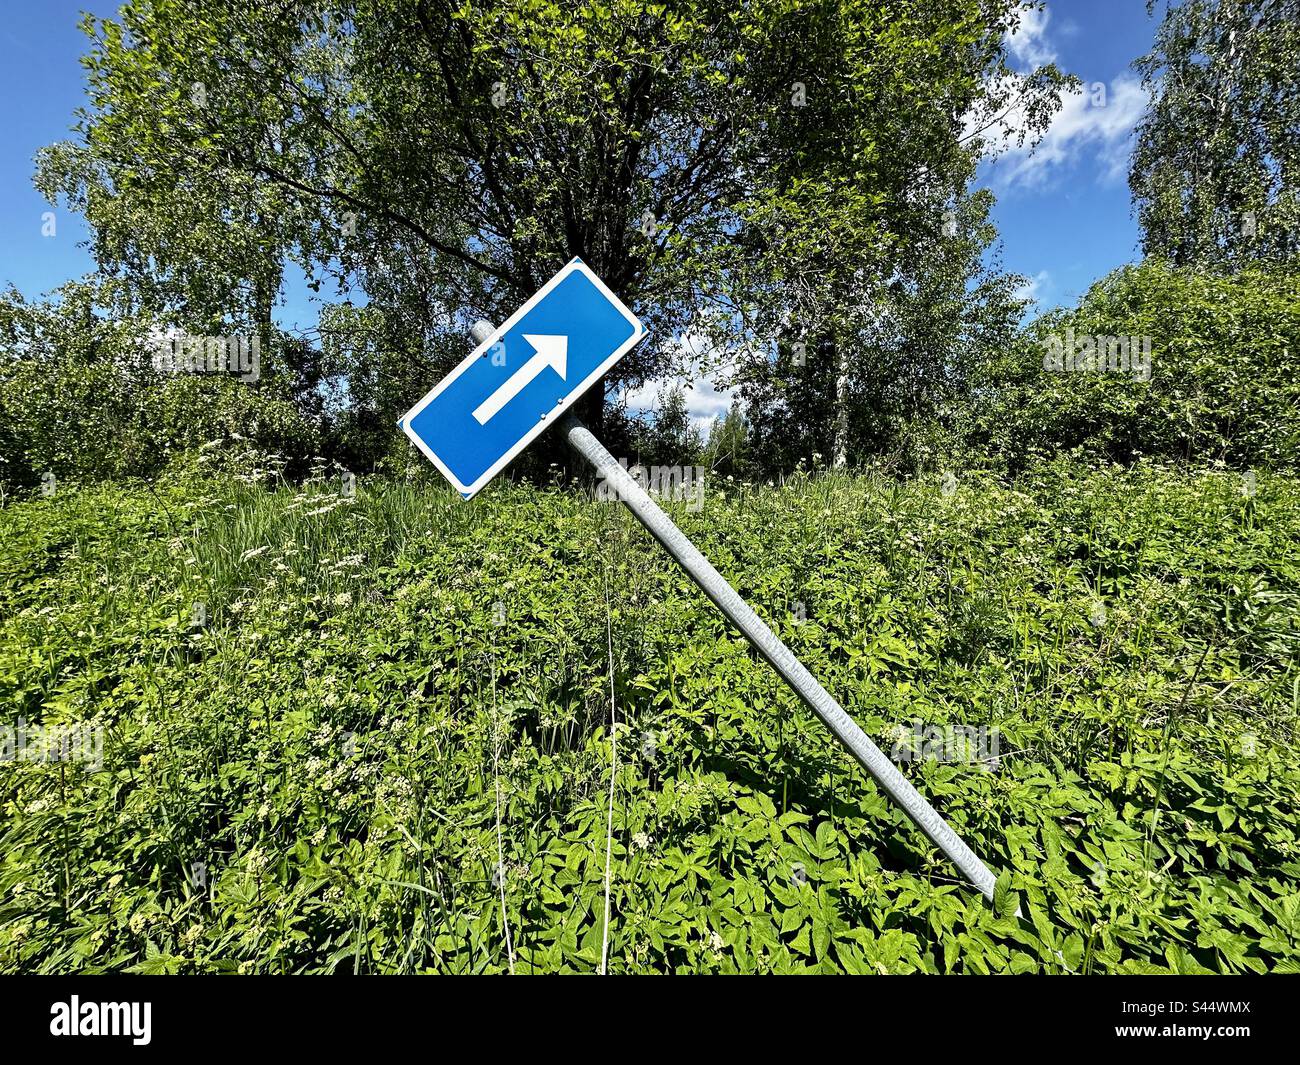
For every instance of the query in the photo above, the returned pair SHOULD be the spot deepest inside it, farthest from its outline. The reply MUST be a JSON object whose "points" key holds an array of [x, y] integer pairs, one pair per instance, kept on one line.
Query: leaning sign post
{"points": [[520, 379]]}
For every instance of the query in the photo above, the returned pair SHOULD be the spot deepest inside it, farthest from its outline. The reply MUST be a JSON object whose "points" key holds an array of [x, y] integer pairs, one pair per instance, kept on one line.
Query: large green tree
{"points": [[1216, 171], [886, 375], [872, 291], [725, 167]]}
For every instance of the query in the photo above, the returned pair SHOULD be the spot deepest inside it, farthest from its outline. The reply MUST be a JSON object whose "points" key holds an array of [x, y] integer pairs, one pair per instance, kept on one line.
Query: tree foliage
{"points": [[724, 167], [81, 397], [1222, 381], [1216, 171]]}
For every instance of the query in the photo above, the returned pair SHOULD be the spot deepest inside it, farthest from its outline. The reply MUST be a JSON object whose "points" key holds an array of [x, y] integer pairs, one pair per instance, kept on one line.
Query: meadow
{"points": [[387, 730]]}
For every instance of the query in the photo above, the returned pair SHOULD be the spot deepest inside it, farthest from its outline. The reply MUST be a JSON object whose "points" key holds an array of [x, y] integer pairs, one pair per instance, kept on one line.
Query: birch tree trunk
{"points": [[840, 450]]}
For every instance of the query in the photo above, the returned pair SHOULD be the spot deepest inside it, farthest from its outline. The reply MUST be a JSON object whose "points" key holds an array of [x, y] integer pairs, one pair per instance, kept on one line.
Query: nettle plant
{"points": [[391, 744]]}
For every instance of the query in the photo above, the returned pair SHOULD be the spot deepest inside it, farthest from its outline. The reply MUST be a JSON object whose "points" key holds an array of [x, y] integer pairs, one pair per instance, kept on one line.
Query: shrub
{"points": [[1222, 384], [79, 397]]}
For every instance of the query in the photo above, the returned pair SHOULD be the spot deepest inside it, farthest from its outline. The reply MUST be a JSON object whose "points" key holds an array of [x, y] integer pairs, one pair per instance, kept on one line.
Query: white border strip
{"points": [[470, 490]]}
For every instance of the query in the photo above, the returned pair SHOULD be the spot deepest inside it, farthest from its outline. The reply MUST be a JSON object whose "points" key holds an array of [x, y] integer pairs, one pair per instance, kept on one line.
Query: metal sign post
{"points": [[783, 660], [494, 395]]}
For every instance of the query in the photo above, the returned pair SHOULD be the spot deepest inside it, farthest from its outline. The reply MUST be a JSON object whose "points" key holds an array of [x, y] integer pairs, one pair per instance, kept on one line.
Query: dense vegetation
{"points": [[394, 689], [1220, 383], [352, 723]]}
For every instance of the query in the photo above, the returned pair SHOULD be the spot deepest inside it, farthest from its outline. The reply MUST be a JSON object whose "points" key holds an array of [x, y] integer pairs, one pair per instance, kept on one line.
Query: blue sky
{"points": [[1063, 211], [42, 83]]}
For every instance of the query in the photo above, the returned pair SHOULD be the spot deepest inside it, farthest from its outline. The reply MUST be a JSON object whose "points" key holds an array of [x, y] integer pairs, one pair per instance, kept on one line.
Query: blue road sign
{"points": [[519, 380]]}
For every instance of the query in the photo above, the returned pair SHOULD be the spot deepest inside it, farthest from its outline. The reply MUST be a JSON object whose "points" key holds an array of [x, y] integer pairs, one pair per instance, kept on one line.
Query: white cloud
{"points": [[1035, 287], [1029, 45], [1094, 123], [1090, 124], [704, 400]]}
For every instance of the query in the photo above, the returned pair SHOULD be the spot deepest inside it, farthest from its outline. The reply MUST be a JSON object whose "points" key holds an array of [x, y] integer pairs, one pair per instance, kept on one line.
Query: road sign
{"points": [[489, 407], [521, 377]]}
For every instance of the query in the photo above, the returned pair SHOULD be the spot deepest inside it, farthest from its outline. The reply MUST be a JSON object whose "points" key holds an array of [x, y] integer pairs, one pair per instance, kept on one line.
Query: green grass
{"points": [[393, 689]]}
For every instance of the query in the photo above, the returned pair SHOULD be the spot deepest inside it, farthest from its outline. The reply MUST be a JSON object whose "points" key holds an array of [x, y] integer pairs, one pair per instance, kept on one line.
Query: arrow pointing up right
{"points": [[552, 351]]}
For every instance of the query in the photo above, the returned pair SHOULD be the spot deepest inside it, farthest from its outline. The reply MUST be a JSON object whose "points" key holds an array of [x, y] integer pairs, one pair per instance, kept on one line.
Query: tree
{"points": [[670, 438], [1216, 170], [895, 369], [719, 162], [1184, 364], [727, 451], [861, 269], [70, 378], [80, 395]]}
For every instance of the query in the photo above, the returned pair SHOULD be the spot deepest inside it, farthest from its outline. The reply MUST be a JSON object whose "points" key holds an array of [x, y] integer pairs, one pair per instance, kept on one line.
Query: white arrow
{"points": [[552, 351]]}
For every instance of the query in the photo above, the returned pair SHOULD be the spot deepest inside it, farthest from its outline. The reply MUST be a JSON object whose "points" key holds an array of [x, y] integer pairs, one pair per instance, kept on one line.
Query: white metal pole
{"points": [[782, 659]]}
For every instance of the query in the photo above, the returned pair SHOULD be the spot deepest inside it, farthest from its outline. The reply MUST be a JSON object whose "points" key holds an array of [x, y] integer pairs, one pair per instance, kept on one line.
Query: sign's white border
{"points": [[470, 490]]}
